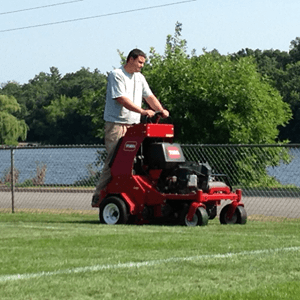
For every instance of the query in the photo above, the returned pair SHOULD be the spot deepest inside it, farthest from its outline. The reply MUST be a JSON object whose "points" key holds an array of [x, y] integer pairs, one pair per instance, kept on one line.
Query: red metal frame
{"points": [[139, 191]]}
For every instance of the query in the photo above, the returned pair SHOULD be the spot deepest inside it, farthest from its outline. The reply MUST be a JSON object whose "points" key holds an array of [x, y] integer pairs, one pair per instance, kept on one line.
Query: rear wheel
{"points": [[200, 217], [239, 216], [112, 211]]}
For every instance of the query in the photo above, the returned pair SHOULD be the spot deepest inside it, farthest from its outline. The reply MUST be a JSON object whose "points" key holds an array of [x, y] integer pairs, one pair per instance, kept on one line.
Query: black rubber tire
{"points": [[239, 216], [200, 217], [113, 211]]}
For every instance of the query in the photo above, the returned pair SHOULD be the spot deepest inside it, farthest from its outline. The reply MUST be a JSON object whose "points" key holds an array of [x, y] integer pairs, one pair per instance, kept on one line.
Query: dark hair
{"points": [[135, 53]]}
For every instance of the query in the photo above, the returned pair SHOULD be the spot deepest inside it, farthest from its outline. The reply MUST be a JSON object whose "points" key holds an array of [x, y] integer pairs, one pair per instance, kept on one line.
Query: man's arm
{"points": [[127, 103], [156, 105]]}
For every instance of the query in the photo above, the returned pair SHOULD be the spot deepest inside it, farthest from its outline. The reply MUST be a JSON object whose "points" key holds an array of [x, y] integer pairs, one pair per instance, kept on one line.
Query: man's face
{"points": [[138, 63]]}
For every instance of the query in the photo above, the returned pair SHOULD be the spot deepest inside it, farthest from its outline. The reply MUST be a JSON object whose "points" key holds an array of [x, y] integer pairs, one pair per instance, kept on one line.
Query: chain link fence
{"points": [[62, 179]]}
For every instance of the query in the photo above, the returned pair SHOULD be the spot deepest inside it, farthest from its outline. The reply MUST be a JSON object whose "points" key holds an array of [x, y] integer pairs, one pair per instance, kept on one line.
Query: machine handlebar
{"points": [[157, 116]]}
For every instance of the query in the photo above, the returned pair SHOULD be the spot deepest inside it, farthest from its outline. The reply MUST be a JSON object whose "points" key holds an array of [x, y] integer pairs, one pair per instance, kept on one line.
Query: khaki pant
{"points": [[113, 133]]}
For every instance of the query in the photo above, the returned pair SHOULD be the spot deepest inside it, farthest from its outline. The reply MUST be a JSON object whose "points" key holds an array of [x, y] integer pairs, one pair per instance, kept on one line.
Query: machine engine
{"points": [[177, 176], [185, 178]]}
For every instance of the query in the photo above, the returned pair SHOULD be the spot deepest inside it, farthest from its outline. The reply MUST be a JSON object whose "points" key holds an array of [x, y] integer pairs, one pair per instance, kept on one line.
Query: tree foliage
{"points": [[11, 128], [283, 69], [62, 110], [214, 99]]}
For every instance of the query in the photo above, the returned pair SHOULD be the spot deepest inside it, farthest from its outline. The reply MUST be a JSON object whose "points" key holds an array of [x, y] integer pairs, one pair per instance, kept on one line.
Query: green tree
{"points": [[11, 128], [282, 68], [74, 121], [290, 90], [37, 94], [62, 110], [214, 99], [295, 50], [76, 115], [90, 89], [14, 89]]}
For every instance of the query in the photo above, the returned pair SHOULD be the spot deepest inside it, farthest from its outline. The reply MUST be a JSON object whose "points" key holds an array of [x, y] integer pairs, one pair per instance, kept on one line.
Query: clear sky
{"points": [[225, 25]]}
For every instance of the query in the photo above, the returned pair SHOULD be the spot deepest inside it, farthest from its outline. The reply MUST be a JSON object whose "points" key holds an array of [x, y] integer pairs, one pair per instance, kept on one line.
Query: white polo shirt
{"points": [[133, 86]]}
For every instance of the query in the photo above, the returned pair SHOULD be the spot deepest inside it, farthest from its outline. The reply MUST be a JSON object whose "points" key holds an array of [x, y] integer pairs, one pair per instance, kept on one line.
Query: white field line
{"points": [[96, 268]]}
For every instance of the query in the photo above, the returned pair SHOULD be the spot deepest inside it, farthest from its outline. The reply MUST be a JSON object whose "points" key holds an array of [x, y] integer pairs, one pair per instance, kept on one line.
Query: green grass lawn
{"points": [[47, 256]]}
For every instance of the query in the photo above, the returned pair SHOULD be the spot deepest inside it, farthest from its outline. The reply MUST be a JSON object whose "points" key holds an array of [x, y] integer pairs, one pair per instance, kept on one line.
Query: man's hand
{"points": [[165, 113], [148, 112], [155, 104]]}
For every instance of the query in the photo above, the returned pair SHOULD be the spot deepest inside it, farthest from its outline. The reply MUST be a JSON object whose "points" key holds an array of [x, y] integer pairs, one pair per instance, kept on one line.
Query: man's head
{"points": [[135, 53], [135, 61]]}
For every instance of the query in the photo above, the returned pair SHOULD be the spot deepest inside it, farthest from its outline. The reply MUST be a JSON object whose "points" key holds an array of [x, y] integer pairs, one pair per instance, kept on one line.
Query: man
{"points": [[126, 88]]}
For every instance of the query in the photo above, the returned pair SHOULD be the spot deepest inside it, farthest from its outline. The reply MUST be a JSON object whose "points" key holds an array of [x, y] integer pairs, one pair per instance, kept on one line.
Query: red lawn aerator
{"points": [[153, 183]]}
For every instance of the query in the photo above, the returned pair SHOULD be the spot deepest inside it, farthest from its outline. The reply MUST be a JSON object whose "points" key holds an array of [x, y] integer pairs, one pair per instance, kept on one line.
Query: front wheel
{"points": [[239, 216], [113, 211], [200, 217]]}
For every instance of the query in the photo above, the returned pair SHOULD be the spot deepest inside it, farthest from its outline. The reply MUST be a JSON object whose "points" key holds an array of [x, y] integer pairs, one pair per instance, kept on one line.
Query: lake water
{"points": [[288, 173], [68, 165], [64, 165]]}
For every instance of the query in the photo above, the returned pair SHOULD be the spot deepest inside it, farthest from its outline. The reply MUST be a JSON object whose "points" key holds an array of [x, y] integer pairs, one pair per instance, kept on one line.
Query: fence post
{"points": [[12, 180]]}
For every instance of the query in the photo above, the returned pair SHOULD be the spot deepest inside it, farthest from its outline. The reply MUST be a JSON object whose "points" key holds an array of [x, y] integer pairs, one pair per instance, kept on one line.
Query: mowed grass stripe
{"points": [[150, 263]]}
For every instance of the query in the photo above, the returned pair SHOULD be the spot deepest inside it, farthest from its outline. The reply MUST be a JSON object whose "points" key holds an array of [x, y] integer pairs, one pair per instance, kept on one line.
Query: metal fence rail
{"points": [[62, 179]]}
